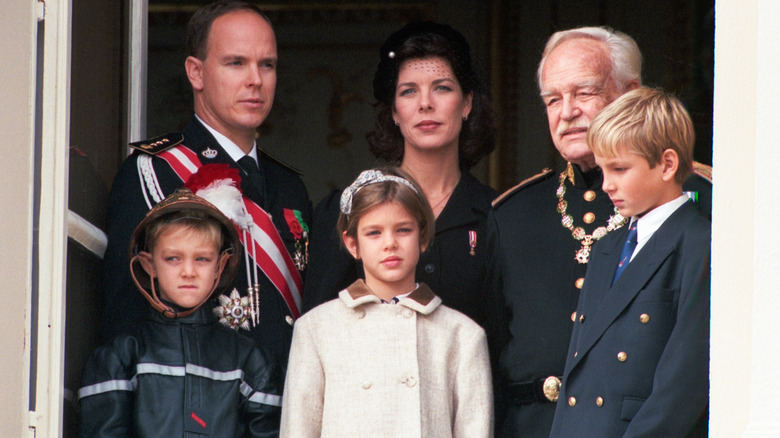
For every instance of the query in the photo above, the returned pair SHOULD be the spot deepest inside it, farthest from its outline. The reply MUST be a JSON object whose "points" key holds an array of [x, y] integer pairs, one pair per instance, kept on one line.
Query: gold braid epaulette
{"points": [[703, 170], [154, 146], [541, 175]]}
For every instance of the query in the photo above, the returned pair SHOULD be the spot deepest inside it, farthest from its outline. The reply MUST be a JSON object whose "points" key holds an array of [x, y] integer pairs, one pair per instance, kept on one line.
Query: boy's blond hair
{"points": [[646, 122]]}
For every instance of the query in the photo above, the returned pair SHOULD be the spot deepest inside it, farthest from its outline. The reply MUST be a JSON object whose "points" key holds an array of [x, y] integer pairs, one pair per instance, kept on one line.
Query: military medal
{"points": [[300, 232], [472, 241], [233, 311], [578, 233]]}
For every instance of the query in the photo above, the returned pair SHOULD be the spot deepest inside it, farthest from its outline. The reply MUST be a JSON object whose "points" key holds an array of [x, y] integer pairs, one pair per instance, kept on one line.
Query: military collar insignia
{"points": [[209, 153]]}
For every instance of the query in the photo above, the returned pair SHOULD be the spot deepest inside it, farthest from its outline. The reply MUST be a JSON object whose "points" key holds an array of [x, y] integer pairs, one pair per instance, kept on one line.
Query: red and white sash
{"points": [[271, 255]]}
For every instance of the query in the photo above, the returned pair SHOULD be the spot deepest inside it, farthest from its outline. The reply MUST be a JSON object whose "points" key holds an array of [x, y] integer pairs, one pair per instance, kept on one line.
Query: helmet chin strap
{"points": [[166, 310]]}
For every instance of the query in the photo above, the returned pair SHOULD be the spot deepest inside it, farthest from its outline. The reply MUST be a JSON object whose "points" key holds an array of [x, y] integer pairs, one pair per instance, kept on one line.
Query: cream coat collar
{"points": [[421, 300]]}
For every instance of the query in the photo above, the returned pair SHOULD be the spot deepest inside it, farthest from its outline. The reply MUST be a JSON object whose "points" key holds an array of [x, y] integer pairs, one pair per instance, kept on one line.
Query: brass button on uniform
{"points": [[589, 218], [573, 316], [575, 354], [599, 401], [582, 319], [644, 318], [289, 320], [589, 195], [572, 401], [579, 283], [622, 356]]}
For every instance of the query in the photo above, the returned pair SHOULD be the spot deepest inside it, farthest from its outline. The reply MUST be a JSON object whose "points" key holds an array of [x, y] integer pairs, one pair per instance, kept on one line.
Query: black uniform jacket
{"points": [[186, 377], [536, 282], [638, 360], [448, 266], [128, 205]]}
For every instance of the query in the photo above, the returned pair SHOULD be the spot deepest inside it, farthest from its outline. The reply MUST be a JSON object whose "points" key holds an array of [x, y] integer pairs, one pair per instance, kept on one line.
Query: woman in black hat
{"points": [[435, 121]]}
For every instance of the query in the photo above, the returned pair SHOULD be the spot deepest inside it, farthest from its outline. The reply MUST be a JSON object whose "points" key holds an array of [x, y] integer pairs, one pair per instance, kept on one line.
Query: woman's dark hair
{"points": [[427, 39]]}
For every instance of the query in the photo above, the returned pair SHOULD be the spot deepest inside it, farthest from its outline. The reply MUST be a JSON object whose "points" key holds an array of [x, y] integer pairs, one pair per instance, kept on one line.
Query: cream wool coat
{"points": [[360, 368]]}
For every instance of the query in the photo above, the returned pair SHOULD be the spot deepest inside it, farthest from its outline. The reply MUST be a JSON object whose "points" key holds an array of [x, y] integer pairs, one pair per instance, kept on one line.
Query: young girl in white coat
{"points": [[387, 359]]}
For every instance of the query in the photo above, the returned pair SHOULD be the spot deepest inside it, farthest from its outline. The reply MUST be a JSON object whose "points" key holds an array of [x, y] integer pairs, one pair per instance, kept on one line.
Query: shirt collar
{"points": [[648, 224], [231, 148]]}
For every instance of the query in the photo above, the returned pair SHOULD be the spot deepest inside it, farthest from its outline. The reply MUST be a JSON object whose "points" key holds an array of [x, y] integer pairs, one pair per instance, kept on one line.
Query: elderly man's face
{"points": [[576, 85]]}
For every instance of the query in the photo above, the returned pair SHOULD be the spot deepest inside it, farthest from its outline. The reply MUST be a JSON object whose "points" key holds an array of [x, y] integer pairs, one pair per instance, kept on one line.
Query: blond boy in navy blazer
{"points": [[638, 359]]}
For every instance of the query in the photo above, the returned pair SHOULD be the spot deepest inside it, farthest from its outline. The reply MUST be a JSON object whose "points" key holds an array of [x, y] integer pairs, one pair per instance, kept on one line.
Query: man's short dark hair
{"points": [[200, 23]]}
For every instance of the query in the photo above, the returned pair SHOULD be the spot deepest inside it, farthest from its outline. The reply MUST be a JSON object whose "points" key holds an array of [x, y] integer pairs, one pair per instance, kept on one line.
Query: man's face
{"points": [[576, 85], [234, 85]]}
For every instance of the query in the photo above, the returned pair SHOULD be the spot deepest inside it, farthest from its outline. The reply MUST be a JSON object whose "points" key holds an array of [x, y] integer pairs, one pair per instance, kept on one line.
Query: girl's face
{"points": [[388, 243], [429, 104]]}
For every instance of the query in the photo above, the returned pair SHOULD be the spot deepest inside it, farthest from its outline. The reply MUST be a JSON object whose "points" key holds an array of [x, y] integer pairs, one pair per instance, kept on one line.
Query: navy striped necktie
{"points": [[628, 249]]}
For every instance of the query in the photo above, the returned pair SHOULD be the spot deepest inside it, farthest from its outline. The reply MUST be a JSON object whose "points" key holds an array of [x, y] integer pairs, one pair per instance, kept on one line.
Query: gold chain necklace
{"points": [[614, 222]]}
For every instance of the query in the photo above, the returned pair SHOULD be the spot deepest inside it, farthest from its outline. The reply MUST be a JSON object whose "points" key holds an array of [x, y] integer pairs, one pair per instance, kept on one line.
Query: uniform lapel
{"points": [[199, 139]]}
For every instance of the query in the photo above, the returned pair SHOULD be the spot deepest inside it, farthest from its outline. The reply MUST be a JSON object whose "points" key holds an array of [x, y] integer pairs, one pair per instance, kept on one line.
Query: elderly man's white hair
{"points": [[624, 53]]}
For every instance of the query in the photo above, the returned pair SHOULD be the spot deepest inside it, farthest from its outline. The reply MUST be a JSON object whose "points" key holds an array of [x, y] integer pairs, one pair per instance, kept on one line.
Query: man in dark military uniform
{"points": [[540, 232], [232, 69]]}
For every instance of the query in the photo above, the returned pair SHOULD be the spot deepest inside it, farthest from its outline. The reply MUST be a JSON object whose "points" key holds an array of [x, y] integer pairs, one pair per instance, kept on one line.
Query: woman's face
{"points": [[429, 104]]}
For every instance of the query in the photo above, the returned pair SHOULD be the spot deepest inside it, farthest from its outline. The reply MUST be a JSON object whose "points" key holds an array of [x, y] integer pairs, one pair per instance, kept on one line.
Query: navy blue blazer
{"points": [[638, 359]]}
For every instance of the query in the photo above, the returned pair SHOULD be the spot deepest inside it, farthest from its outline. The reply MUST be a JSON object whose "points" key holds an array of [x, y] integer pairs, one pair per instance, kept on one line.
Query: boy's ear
{"points": [[147, 262], [223, 259], [351, 244], [670, 162]]}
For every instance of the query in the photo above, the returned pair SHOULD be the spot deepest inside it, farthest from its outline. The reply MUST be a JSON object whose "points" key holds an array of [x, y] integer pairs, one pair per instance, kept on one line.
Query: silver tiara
{"points": [[368, 177]]}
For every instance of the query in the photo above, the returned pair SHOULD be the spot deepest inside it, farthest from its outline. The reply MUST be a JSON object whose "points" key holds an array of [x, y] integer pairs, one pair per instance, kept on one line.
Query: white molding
{"points": [[136, 91], [52, 233]]}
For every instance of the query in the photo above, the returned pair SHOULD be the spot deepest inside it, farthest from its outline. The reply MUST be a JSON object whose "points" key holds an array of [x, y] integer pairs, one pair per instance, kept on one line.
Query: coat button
{"points": [[589, 218], [582, 319], [429, 268], [410, 382], [644, 318], [572, 401], [575, 354], [599, 401], [578, 284], [589, 195], [574, 316], [622, 356], [407, 313], [366, 384], [289, 320], [361, 314]]}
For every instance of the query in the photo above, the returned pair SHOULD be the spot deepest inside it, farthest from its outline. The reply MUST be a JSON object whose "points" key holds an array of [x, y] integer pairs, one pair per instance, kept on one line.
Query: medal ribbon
{"points": [[271, 255]]}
